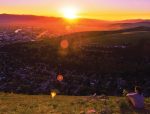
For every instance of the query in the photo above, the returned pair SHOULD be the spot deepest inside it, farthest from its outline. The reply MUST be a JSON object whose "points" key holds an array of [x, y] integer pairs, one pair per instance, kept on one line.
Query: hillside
{"points": [[54, 23], [89, 62], [37, 104], [58, 24]]}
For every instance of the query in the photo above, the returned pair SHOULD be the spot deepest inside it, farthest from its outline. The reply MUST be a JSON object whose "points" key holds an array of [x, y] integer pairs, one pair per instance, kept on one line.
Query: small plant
{"points": [[124, 105], [54, 105], [106, 110]]}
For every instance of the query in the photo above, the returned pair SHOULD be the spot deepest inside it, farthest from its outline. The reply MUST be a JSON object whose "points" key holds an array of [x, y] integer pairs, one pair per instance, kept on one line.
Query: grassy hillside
{"points": [[44, 104]]}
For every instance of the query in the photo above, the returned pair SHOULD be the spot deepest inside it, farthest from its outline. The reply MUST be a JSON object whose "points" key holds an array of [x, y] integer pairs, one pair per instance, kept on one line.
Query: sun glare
{"points": [[69, 13]]}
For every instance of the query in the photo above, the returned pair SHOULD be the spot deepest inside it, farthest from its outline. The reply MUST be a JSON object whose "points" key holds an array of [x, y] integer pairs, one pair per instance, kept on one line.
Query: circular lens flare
{"points": [[60, 77], [64, 44]]}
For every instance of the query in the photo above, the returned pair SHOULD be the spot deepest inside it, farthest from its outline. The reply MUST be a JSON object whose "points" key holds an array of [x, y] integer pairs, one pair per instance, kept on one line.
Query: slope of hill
{"points": [[78, 25], [97, 33], [89, 60], [8, 18], [145, 23], [54, 23], [31, 104]]}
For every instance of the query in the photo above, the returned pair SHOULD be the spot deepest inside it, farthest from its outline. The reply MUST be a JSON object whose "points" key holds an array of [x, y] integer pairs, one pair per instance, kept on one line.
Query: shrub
{"points": [[123, 105]]}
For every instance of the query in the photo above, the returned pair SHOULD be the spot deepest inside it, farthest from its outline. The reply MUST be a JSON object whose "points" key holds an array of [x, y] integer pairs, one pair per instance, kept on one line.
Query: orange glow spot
{"points": [[53, 94], [64, 44], [59, 77]]}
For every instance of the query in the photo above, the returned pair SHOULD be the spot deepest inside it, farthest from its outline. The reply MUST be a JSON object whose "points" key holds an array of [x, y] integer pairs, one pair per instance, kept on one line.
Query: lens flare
{"points": [[60, 77], [53, 94], [64, 44]]}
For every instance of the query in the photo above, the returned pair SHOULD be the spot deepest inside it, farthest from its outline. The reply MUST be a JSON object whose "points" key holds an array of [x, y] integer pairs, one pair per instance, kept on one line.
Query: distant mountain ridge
{"points": [[60, 24], [125, 30], [143, 23]]}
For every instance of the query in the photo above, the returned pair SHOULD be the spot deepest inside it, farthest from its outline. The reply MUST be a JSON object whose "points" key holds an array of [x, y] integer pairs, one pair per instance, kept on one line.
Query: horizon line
{"points": [[98, 19]]}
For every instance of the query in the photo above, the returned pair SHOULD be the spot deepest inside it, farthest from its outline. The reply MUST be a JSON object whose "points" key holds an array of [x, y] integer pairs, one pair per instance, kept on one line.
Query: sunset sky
{"points": [[98, 9]]}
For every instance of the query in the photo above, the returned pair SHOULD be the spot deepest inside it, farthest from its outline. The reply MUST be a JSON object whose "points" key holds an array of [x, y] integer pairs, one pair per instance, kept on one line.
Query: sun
{"points": [[69, 13]]}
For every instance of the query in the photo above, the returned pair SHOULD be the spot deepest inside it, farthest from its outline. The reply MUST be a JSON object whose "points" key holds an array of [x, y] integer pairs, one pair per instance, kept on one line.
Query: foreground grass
{"points": [[44, 104]]}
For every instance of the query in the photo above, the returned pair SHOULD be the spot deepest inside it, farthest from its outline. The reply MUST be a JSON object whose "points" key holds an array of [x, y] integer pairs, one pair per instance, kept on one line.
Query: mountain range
{"points": [[64, 25]]}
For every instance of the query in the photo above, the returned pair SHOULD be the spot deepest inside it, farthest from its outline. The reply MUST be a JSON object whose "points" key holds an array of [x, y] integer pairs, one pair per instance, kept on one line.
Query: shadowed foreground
{"points": [[44, 104]]}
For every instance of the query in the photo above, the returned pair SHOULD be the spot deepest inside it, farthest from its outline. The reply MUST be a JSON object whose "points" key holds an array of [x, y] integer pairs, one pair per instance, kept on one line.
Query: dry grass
{"points": [[44, 104]]}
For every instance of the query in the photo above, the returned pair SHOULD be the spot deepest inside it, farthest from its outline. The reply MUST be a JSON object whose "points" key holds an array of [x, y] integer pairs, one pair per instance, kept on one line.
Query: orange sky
{"points": [[98, 9]]}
